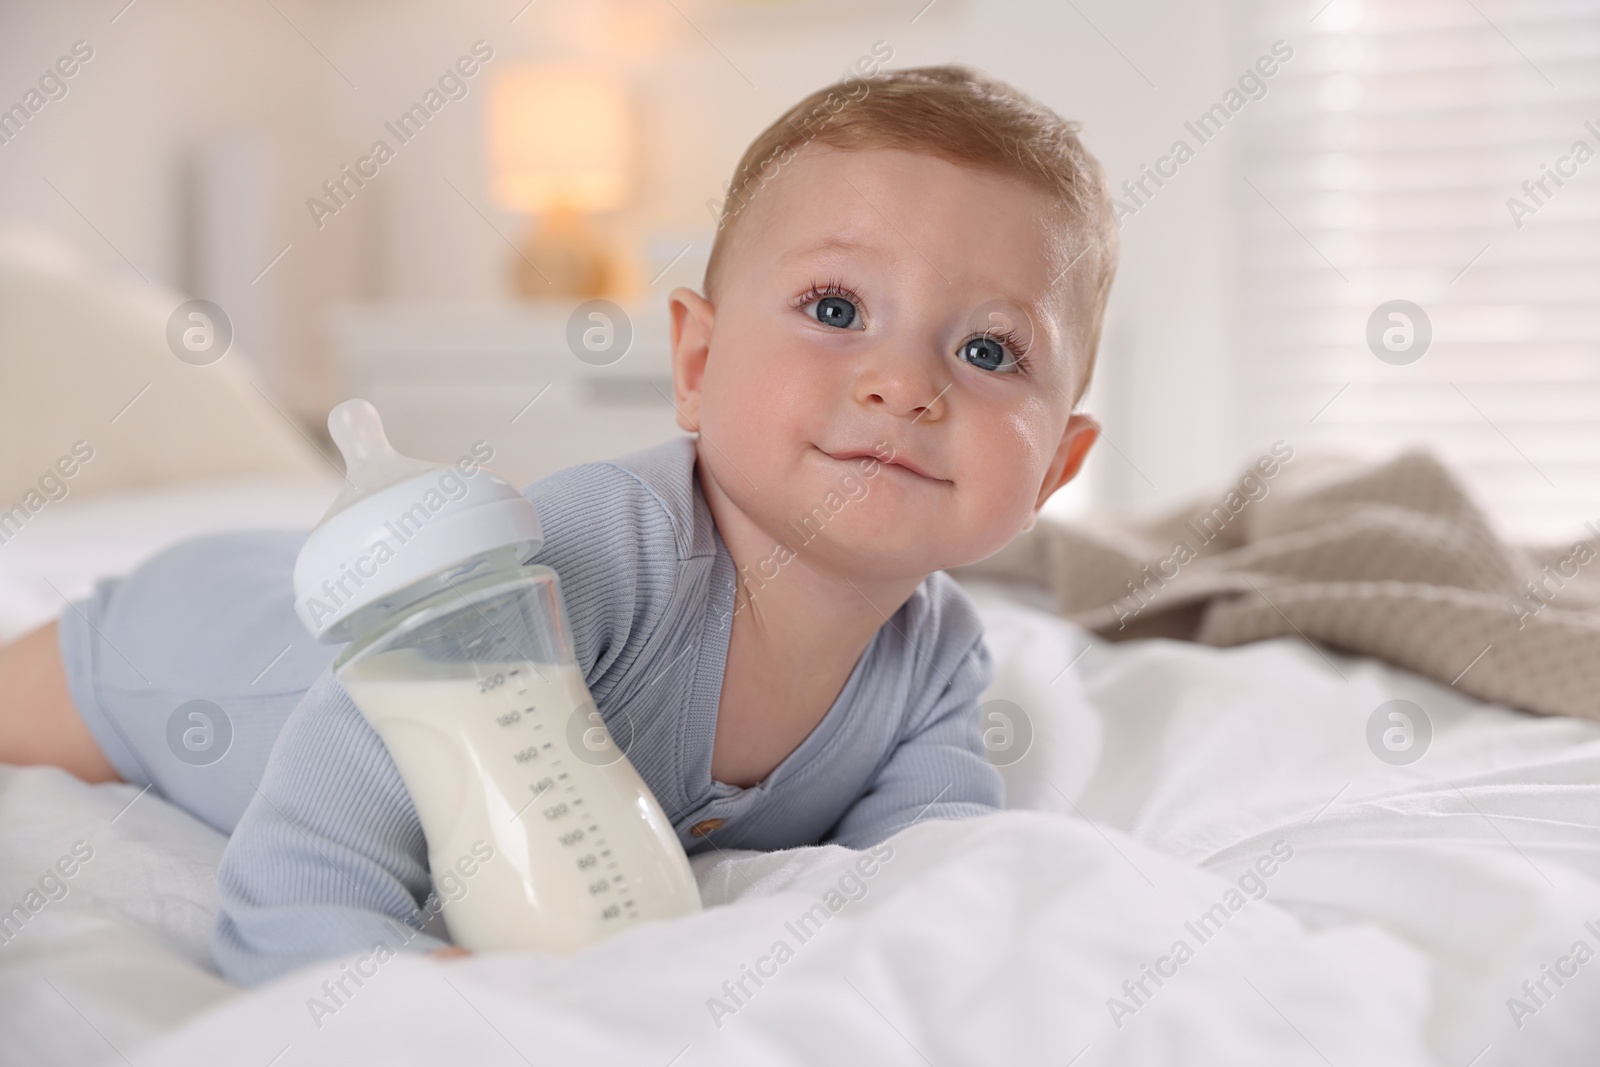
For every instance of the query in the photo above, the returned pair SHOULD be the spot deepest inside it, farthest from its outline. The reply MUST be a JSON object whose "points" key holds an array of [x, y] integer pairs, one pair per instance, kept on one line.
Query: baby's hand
{"points": [[451, 951]]}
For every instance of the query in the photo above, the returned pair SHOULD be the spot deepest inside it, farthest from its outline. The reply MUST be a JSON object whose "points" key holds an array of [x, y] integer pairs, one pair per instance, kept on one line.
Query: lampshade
{"points": [[559, 136]]}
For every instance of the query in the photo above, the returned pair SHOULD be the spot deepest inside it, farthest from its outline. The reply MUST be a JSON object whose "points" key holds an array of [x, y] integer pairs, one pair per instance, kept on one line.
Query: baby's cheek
{"points": [[989, 523], [1013, 466], [742, 384], [1028, 445], [726, 405]]}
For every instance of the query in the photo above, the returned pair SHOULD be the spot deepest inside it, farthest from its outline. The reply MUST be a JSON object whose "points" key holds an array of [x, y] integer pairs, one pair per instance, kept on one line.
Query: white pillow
{"points": [[75, 349]]}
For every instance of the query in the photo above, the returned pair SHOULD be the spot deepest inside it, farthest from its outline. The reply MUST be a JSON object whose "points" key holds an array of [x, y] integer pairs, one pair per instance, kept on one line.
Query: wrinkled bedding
{"points": [[1205, 861]]}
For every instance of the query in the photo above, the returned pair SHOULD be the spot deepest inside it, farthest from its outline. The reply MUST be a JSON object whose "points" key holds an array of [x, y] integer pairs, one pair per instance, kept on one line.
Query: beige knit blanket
{"points": [[1393, 561]]}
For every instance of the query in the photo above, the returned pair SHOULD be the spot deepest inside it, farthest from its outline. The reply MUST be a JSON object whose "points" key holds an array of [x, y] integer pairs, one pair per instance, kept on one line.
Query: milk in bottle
{"points": [[462, 662]]}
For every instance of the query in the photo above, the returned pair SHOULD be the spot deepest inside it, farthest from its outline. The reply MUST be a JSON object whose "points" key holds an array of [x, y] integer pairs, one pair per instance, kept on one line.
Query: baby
{"points": [[901, 311]]}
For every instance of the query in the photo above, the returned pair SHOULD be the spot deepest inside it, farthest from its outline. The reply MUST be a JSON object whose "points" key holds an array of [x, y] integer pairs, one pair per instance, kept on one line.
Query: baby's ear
{"points": [[1079, 436], [692, 320]]}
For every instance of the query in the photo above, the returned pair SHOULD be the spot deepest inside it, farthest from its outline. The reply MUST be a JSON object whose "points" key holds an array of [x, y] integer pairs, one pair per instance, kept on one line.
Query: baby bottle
{"points": [[541, 834]]}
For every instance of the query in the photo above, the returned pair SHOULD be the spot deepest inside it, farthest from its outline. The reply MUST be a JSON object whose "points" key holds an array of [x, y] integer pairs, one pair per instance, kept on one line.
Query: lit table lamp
{"points": [[560, 150]]}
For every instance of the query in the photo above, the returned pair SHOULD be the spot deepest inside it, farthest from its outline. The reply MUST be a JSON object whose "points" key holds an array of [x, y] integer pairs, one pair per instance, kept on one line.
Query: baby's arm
{"points": [[939, 769], [329, 857]]}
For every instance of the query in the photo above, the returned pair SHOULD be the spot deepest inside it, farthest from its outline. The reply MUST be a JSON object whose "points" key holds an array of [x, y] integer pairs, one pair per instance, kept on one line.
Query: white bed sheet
{"points": [[1417, 901], [58, 555]]}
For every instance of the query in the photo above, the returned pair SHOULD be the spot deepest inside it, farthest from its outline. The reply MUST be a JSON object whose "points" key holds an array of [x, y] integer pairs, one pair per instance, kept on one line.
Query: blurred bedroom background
{"points": [[1339, 155]]}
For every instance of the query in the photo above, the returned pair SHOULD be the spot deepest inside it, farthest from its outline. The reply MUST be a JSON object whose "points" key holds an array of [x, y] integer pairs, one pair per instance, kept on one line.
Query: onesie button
{"points": [[704, 827]]}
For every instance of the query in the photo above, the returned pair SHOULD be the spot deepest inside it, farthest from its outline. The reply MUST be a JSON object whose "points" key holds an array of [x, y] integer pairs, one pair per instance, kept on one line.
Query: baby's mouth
{"points": [[886, 457]]}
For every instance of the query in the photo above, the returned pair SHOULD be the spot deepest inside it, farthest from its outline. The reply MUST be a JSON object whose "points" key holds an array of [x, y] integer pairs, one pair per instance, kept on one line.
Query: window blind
{"points": [[1444, 153]]}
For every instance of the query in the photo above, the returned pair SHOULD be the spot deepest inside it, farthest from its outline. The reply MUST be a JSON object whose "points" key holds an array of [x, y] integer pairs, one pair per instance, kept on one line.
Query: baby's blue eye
{"points": [[835, 311], [986, 353]]}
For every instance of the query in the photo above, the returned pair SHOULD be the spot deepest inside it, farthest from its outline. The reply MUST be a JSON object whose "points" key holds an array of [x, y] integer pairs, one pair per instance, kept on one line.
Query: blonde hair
{"points": [[962, 116]]}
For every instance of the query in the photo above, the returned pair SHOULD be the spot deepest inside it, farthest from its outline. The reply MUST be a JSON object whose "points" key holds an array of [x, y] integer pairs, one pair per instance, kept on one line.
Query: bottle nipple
{"points": [[370, 462], [398, 520]]}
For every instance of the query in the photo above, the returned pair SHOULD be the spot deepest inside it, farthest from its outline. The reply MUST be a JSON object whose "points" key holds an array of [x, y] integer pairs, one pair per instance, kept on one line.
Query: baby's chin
{"points": [[871, 544]]}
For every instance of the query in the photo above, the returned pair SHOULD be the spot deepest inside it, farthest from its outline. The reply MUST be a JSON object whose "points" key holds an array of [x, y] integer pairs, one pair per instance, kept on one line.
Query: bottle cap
{"points": [[398, 520]]}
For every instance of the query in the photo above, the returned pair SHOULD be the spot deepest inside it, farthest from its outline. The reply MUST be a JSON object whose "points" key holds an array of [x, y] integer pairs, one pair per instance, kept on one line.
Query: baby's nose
{"points": [[902, 389]]}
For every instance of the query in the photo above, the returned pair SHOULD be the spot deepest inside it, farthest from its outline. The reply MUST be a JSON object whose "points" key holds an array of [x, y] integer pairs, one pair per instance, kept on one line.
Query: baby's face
{"points": [[888, 303]]}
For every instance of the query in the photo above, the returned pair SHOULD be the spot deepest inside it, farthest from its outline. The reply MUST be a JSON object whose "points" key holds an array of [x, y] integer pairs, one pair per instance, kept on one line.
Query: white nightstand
{"points": [[445, 376]]}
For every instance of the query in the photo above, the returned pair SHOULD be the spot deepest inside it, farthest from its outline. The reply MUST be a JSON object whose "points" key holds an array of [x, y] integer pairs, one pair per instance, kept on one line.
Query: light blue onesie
{"points": [[328, 852]]}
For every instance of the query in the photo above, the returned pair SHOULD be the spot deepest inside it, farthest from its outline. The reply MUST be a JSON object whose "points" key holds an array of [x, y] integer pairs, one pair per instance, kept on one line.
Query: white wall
{"points": [[166, 82], [169, 76]]}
